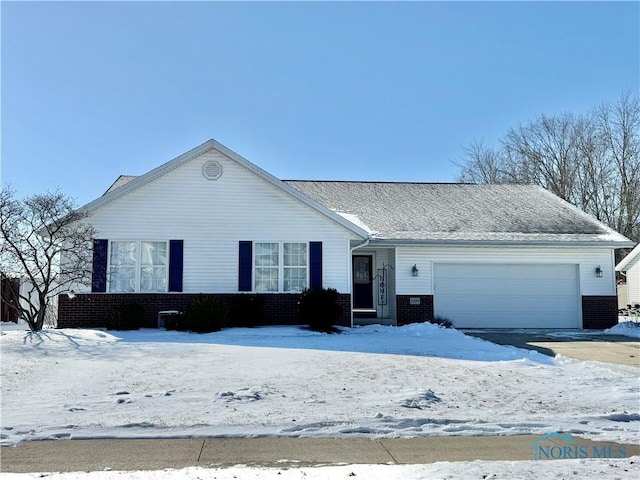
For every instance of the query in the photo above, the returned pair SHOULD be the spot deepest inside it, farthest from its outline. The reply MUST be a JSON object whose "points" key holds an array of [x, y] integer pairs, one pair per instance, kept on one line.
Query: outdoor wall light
{"points": [[598, 272], [414, 270]]}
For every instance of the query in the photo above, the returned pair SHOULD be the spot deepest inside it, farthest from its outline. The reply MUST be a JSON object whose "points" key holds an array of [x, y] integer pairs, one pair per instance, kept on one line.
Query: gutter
{"points": [[503, 243], [361, 245]]}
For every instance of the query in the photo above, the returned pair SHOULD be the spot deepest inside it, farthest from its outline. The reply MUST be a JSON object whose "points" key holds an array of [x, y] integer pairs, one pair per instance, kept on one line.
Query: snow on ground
{"points": [[622, 469], [627, 328], [374, 381]]}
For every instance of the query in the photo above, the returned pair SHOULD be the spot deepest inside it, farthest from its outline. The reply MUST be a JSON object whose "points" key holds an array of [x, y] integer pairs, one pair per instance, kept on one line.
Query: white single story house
{"points": [[630, 265], [483, 256]]}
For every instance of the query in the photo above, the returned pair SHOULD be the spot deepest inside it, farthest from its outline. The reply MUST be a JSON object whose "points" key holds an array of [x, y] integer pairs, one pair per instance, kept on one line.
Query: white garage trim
{"points": [[496, 295]]}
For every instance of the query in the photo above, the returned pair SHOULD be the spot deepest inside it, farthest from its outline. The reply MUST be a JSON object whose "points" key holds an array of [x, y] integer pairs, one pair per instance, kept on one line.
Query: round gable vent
{"points": [[212, 170]]}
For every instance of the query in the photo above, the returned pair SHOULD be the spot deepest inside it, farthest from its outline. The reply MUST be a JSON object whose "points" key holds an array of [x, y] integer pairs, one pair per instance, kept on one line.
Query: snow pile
{"points": [[374, 381], [628, 329]]}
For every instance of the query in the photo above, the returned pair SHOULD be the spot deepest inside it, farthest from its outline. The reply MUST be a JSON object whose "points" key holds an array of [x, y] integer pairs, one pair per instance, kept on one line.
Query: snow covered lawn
{"points": [[286, 381]]}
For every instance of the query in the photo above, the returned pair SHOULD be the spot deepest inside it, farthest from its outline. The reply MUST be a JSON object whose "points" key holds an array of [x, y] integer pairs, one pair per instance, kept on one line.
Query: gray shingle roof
{"points": [[459, 212]]}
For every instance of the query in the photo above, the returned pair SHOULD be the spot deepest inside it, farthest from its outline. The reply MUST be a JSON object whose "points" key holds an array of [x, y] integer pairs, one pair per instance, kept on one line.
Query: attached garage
{"points": [[507, 295]]}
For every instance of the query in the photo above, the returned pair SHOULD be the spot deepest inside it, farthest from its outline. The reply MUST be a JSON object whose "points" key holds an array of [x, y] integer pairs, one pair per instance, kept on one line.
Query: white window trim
{"points": [[138, 263], [281, 266]]}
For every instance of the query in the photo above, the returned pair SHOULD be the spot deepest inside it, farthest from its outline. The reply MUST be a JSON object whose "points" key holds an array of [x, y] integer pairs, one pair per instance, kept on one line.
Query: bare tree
{"points": [[617, 129], [46, 243], [592, 161], [484, 164]]}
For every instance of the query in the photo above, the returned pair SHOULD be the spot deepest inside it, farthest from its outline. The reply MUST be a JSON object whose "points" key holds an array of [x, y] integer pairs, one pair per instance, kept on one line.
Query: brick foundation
{"points": [[407, 313], [90, 310], [599, 312]]}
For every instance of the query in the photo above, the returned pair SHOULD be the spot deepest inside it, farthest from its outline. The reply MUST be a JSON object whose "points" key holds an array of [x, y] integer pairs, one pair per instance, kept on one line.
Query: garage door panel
{"points": [[515, 271], [511, 286], [507, 295], [513, 303]]}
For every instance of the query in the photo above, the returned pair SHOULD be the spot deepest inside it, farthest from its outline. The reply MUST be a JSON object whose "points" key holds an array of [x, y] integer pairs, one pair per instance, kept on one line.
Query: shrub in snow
{"points": [[318, 307], [205, 313], [246, 310], [442, 321], [125, 317], [176, 321]]}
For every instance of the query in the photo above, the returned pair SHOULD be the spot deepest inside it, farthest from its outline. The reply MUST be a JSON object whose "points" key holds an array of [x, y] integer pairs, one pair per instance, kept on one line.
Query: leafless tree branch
{"points": [[45, 242]]}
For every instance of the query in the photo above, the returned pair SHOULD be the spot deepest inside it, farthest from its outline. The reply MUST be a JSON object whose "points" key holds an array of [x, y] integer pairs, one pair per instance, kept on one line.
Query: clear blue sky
{"points": [[354, 91]]}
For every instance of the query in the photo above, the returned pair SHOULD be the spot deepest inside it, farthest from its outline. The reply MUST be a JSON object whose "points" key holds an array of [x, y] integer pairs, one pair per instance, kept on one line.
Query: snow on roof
{"points": [[459, 212]]}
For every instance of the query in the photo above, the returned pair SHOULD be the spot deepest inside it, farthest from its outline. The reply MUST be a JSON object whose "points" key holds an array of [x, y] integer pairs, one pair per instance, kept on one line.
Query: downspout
{"points": [[361, 245], [353, 249]]}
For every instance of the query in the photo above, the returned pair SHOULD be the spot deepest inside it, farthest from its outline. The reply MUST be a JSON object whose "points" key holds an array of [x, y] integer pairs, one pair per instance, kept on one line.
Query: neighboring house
{"points": [[210, 221], [631, 266]]}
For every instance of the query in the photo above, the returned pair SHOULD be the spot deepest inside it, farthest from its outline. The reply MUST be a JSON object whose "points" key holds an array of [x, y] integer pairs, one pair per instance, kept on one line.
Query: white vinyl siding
{"points": [[633, 282], [213, 216]]}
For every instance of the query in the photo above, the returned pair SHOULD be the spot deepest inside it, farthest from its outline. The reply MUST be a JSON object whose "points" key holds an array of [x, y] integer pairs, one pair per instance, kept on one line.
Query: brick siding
{"points": [[599, 311], [407, 313], [92, 309]]}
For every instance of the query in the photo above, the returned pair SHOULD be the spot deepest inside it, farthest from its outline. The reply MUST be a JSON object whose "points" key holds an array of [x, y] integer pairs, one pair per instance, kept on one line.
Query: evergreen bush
{"points": [[176, 321], [442, 321], [319, 308], [246, 310], [128, 316], [205, 313]]}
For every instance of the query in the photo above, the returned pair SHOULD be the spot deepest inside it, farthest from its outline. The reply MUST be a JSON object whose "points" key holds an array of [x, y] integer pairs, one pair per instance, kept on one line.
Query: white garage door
{"points": [[507, 295]]}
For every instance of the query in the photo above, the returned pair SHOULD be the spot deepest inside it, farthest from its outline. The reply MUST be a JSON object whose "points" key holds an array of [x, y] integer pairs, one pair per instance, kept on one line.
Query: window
{"points": [[122, 271], [138, 266], [295, 267], [153, 267], [276, 266], [267, 270]]}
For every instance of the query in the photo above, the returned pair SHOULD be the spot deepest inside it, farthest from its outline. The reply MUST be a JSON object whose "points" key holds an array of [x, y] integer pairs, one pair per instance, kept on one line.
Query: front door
{"points": [[363, 284]]}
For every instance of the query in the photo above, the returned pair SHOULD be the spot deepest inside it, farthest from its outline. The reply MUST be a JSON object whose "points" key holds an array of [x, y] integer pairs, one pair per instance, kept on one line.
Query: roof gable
{"points": [[127, 184], [632, 257]]}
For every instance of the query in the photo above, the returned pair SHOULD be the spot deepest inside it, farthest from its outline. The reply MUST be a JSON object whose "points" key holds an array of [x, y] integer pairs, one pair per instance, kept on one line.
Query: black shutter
{"points": [[315, 264], [245, 266], [99, 273], [176, 249]]}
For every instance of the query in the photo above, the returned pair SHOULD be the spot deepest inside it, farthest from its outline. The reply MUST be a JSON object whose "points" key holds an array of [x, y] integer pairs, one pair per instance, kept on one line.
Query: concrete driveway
{"points": [[580, 344]]}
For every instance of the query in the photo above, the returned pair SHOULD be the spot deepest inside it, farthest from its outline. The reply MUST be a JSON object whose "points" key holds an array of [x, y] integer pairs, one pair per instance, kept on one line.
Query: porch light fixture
{"points": [[598, 271], [414, 270]]}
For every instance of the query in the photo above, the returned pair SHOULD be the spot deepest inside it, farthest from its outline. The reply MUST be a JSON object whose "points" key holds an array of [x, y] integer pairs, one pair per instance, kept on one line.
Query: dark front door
{"points": [[362, 282]]}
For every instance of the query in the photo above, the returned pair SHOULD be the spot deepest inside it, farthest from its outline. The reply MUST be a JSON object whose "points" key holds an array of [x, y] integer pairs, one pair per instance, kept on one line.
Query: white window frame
{"points": [[138, 266], [281, 267]]}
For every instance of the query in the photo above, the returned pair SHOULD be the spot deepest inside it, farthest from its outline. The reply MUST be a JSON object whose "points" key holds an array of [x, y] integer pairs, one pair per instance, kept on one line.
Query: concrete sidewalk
{"points": [[157, 454]]}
